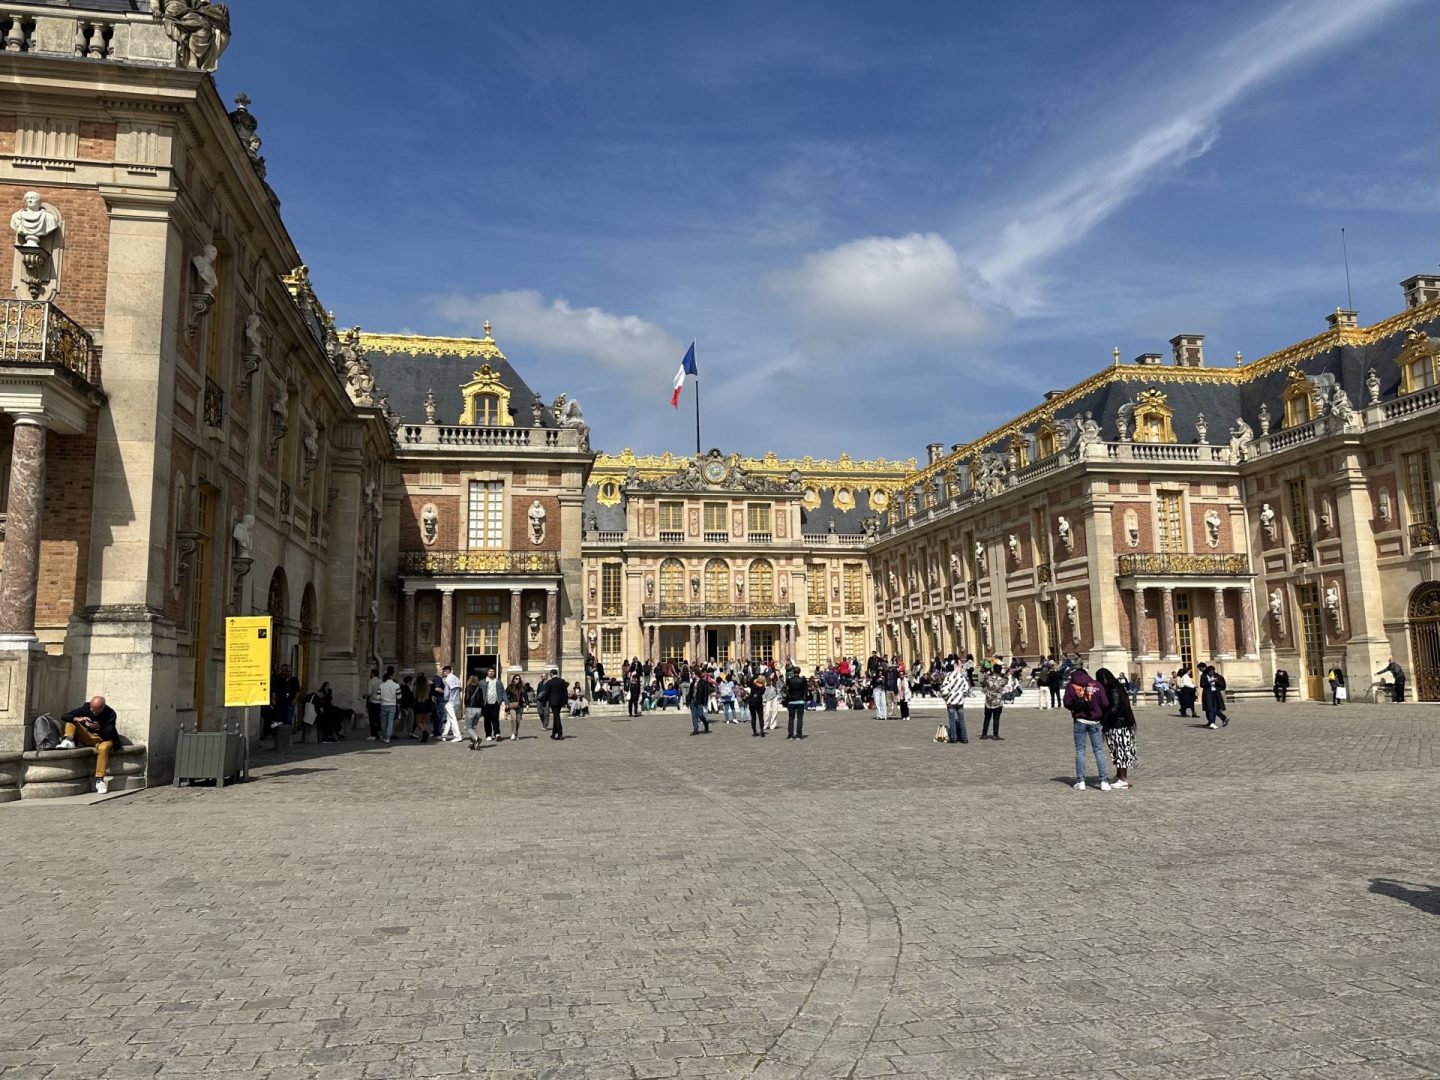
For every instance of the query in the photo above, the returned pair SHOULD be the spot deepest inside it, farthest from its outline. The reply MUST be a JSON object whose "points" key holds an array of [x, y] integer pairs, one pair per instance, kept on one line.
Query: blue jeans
{"points": [[882, 710], [1096, 738], [955, 723], [727, 709], [387, 721], [698, 716]]}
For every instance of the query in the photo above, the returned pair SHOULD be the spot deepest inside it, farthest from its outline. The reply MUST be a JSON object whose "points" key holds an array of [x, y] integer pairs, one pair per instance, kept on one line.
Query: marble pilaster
{"points": [[22, 535]]}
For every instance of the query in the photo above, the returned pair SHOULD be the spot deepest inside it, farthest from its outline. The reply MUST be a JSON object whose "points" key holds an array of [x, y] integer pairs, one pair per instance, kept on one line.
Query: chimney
{"points": [[1189, 350], [1420, 289], [1051, 395], [1343, 320], [1149, 359], [957, 447], [936, 451]]}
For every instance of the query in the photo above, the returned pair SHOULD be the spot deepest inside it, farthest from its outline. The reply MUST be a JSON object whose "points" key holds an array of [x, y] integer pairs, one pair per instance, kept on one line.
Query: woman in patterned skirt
{"points": [[1118, 723]]}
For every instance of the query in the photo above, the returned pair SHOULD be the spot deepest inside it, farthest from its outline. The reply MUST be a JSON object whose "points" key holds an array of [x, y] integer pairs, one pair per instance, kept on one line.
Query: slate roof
{"points": [[119, 7], [405, 377]]}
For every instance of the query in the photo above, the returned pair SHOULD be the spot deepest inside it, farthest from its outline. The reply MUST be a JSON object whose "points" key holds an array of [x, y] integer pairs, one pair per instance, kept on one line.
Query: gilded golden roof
{"points": [[425, 345], [820, 472]]}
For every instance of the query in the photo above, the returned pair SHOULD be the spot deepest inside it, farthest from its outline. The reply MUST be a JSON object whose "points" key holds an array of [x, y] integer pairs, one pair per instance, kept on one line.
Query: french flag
{"points": [[687, 367]]}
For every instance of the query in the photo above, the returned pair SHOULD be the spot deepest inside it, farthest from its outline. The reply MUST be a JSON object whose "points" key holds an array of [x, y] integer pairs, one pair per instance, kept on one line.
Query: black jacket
{"points": [[796, 689], [555, 693], [103, 725]]}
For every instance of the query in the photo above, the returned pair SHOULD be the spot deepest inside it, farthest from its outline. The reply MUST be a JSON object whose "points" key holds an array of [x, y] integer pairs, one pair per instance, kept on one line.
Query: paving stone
{"points": [[635, 904]]}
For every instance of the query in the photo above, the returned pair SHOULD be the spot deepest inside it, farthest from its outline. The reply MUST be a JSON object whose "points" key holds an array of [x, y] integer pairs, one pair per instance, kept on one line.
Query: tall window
{"points": [[762, 582], [1297, 504], [610, 603], [715, 515], [1171, 521], [855, 641], [672, 517], [758, 518], [1419, 491], [717, 583], [482, 636], [672, 582], [819, 641], [487, 514], [610, 648], [854, 589], [815, 590]]}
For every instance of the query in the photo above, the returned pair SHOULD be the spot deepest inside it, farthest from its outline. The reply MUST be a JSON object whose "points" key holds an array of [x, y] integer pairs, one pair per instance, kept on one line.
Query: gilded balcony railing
{"points": [[37, 332], [698, 612], [478, 562], [1180, 564], [1424, 534]]}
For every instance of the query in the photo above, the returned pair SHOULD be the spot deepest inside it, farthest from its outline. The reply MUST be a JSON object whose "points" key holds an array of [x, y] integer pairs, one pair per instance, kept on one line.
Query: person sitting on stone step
{"points": [[93, 724]]}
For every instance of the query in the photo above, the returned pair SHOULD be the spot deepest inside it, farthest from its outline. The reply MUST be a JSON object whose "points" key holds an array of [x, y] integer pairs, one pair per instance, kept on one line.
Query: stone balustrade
{"points": [[446, 437]]}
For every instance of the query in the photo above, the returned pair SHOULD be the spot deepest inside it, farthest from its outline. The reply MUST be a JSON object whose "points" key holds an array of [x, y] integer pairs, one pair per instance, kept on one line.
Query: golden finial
{"points": [[487, 331], [1239, 358], [1115, 352]]}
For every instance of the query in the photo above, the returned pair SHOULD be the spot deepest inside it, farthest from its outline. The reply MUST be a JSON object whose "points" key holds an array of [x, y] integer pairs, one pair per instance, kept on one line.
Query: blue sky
{"points": [[883, 225]]}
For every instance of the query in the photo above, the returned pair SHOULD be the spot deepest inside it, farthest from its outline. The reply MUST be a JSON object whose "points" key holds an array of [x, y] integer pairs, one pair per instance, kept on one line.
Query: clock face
{"points": [[715, 472]]}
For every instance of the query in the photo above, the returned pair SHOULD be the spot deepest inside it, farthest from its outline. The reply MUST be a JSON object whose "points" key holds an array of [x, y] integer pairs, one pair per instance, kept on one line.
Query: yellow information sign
{"points": [[247, 660]]}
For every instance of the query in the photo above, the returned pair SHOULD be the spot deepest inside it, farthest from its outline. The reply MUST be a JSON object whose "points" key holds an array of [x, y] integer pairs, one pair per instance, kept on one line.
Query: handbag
{"points": [[308, 716], [1342, 694], [941, 735]]}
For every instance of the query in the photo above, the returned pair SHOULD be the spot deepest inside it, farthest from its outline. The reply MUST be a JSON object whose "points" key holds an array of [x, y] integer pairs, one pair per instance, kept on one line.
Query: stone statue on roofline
{"points": [[200, 30]]}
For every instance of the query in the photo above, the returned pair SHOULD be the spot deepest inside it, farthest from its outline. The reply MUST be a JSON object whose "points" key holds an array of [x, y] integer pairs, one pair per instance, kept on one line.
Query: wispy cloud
{"points": [[626, 344], [918, 287]]}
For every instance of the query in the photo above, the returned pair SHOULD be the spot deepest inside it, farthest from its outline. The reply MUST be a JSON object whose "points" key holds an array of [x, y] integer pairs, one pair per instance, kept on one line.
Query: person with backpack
{"points": [[92, 724], [797, 695], [1087, 702], [1212, 697]]}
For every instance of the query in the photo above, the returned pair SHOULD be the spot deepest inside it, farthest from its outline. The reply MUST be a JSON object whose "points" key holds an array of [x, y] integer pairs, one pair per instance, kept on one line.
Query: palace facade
{"points": [[186, 434]]}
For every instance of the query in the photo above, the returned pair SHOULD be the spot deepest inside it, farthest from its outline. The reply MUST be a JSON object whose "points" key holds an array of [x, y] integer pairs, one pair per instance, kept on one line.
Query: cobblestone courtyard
{"points": [[639, 903]]}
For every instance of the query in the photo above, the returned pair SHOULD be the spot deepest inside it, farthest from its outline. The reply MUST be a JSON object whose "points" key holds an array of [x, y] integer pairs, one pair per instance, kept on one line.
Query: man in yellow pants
{"points": [[93, 724]]}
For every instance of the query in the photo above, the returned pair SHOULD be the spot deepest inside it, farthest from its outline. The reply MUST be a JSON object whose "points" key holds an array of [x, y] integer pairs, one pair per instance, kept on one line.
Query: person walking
{"points": [[797, 693], [492, 697], [725, 689], [953, 690], [474, 705], [424, 709], [1396, 672], [557, 697], [450, 731], [634, 686], [389, 694], [902, 692], [542, 703], [995, 686], [1338, 691], [515, 704], [1212, 697], [697, 696], [1281, 686], [372, 703], [772, 701], [882, 687], [756, 701], [1118, 724], [1087, 701]]}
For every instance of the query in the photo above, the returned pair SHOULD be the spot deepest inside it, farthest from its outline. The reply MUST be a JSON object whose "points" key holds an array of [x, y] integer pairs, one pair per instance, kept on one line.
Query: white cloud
{"points": [[917, 288], [914, 287], [624, 343]]}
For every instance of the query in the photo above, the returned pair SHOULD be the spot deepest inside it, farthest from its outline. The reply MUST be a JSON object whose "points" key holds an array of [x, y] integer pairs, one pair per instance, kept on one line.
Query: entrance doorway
{"points": [[1184, 631], [762, 644], [479, 663], [719, 644], [1425, 640], [1312, 645]]}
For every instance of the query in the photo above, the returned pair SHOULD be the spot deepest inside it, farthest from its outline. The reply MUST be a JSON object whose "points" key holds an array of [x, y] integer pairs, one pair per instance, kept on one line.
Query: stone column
{"points": [[447, 625], [22, 535], [1248, 630], [516, 635], [1220, 636], [552, 626], [1167, 624], [407, 657], [1142, 644]]}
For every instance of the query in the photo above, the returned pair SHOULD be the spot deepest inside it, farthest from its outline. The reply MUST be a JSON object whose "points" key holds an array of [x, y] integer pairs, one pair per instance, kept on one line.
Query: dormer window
{"points": [[1298, 398], [1154, 419], [487, 400], [1417, 361]]}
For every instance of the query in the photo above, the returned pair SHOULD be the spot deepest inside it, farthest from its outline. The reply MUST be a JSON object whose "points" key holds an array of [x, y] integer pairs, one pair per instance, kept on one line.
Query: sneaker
{"points": [[1209, 727], [514, 737], [1121, 784], [66, 744], [1104, 785], [1079, 785], [102, 787]]}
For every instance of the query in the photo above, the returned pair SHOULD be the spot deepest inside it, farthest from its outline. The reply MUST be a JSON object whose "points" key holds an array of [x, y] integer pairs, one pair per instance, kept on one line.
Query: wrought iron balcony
{"points": [[1424, 534], [700, 612], [1182, 564], [37, 332], [478, 562]]}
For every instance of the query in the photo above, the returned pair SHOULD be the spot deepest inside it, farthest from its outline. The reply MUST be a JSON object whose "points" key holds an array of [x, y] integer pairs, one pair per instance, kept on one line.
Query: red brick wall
{"points": [[87, 245], [97, 140], [7, 133], [450, 522], [520, 523], [1200, 534], [1144, 517], [64, 527]]}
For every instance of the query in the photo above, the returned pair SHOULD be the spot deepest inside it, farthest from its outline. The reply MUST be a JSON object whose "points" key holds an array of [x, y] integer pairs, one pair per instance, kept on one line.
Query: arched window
{"points": [[487, 410], [762, 582], [672, 582], [276, 603], [717, 582], [487, 400]]}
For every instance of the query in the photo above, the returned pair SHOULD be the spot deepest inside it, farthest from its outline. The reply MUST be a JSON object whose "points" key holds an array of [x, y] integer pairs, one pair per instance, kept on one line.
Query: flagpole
{"points": [[697, 414]]}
